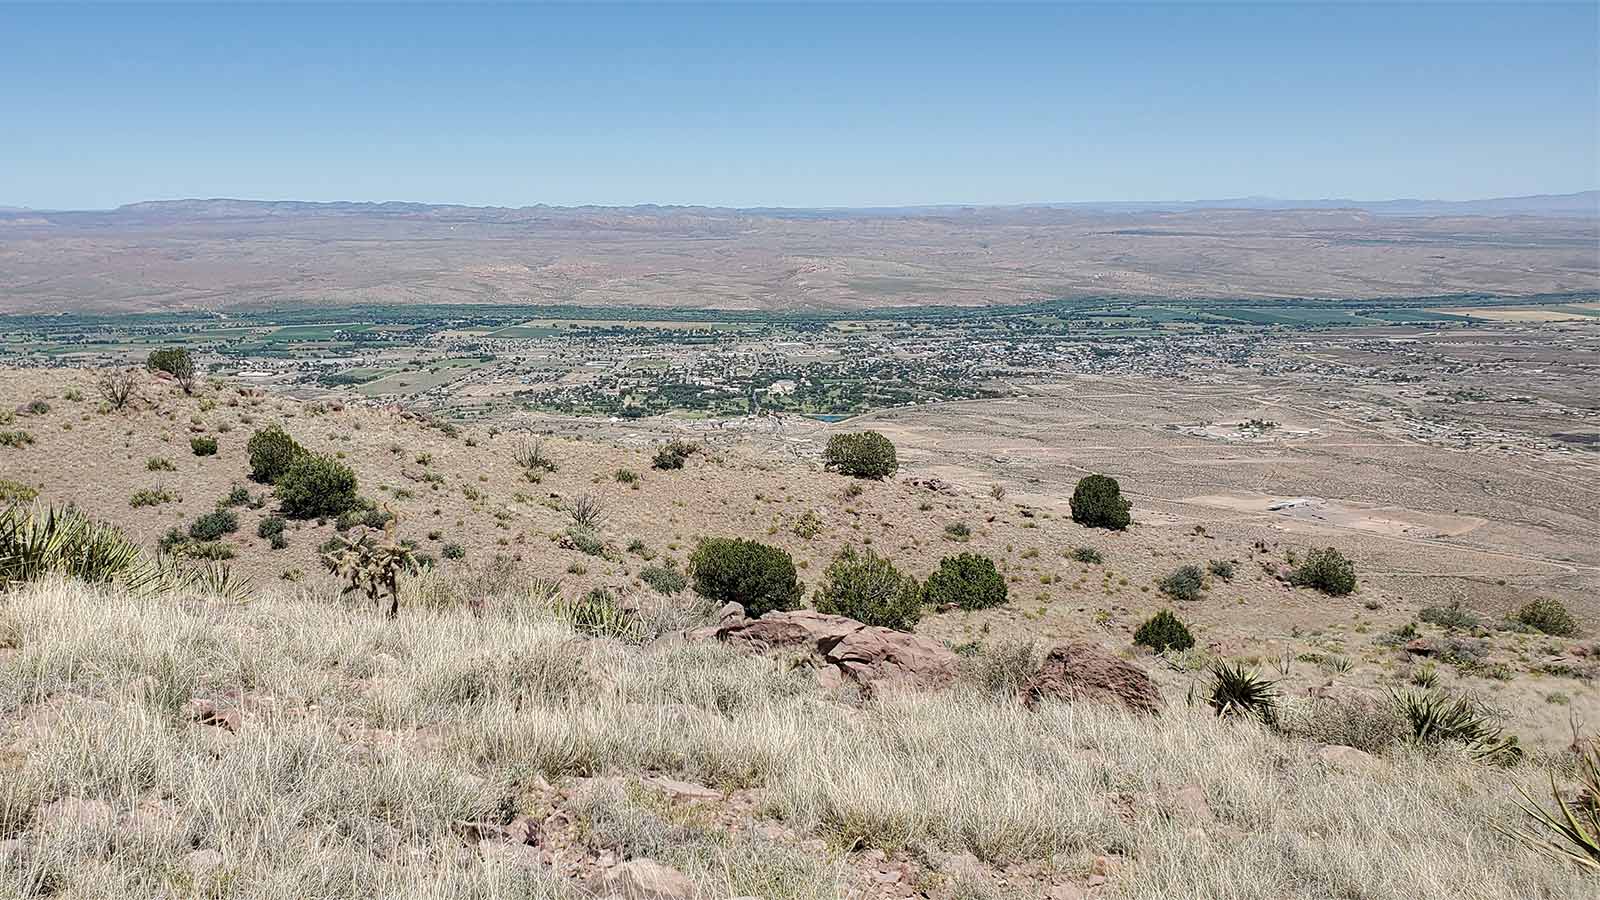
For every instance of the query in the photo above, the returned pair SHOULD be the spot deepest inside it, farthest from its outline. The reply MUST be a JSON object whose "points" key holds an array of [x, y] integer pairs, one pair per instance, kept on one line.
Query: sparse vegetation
{"points": [[531, 455], [866, 587], [664, 579], [118, 387], [15, 438], [36, 541], [1087, 556], [203, 446], [756, 576], [864, 454], [159, 464], [16, 492], [213, 525], [672, 455], [1222, 568], [1097, 502], [1451, 618], [150, 497], [453, 551], [1238, 692], [966, 581]]}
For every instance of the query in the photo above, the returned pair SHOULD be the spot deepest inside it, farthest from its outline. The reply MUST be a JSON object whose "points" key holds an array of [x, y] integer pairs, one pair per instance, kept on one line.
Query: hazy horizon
{"points": [[765, 106]]}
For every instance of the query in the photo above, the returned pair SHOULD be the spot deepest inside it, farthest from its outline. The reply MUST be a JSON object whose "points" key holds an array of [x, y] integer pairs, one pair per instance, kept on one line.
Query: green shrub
{"points": [[277, 541], [672, 454], [159, 464], [270, 525], [16, 439], [203, 446], [1162, 632], [366, 513], [316, 486], [585, 542], [733, 570], [1222, 568], [1451, 618], [150, 497], [37, 407], [957, 531], [175, 361], [664, 579], [868, 588], [598, 614], [272, 451], [1326, 570], [453, 550], [211, 550], [1087, 555], [174, 540], [1548, 616], [1185, 583], [1097, 503], [863, 454], [968, 581], [238, 495], [16, 492], [214, 525], [626, 476]]}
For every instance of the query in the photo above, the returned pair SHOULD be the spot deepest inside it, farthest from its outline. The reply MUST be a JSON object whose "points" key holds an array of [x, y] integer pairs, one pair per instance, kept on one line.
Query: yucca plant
{"points": [[1437, 718], [1572, 834], [599, 614], [1236, 692], [37, 541]]}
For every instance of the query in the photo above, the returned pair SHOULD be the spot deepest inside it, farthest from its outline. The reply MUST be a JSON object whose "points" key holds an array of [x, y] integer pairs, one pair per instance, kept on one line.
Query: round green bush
{"points": [[968, 581], [1327, 570], [758, 577], [863, 454], [272, 451], [868, 588], [203, 446], [1548, 616], [1097, 503], [1185, 583], [1163, 632], [314, 486], [211, 526], [270, 526]]}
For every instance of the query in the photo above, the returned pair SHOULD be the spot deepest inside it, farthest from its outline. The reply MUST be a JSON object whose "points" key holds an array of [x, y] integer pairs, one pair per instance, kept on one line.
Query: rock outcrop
{"points": [[1079, 671], [865, 654]]}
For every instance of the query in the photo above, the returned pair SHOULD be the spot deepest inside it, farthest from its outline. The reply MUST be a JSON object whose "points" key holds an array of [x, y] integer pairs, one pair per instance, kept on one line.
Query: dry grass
{"points": [[363, 739]]}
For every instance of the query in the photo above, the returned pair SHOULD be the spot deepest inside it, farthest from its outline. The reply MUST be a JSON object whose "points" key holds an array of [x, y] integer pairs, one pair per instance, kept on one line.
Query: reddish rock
{"points": [[1079, 671], [865, 654]]}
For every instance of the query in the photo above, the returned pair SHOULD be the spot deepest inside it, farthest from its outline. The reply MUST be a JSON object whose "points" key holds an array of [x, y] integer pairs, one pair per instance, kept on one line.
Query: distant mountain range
{"points": [[1580, 204]]}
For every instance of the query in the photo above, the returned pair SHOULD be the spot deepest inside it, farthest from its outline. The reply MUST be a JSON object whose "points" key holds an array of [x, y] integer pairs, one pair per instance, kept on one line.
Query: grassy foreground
{"points": [[361, 742]]}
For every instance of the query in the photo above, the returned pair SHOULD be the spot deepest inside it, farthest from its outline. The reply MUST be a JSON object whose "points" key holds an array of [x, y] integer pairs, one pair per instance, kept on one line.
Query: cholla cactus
{"points": [[373, 566]]}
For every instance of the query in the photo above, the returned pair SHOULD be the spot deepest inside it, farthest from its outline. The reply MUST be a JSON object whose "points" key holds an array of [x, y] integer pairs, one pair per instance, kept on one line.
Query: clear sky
{"points": [[768, 105]]}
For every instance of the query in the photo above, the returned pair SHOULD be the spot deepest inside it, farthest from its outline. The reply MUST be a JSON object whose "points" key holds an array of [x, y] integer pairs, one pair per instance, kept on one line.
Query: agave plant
{"points": [[38, 541], [1236, 692], [599, 614], [1572, 834], [1437, 718]]}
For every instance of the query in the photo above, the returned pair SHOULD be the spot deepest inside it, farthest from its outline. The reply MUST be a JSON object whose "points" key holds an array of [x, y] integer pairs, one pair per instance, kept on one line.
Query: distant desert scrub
{"points": [[512, 697]]}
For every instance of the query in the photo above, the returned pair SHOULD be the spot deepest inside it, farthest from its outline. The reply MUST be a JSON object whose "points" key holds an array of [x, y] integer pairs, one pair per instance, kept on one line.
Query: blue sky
{"points": [[769, 105]]}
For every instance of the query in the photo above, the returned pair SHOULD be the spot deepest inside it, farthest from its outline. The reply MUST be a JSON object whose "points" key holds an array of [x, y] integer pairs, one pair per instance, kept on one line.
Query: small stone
{"points": [[1351, 759], [1105, 866], [646, 879]]}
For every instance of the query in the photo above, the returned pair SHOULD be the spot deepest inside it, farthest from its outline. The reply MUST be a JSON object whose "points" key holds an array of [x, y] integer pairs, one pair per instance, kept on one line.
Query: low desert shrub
{"points": [[214, 525], [270, 525], [203, 446], [672, 455], [868, 588], [314, 486], [453, 550], [1326, 570], [1548, 616], [966, 580], [664, 579], [957, 531], [863, 454], [585, 542], [15, 439], [159, 464], [1097, 503], [1451, 618], [16, 492], [150, 497], [1222, 568], [1162, 632], [759, 577], [1087, 555], [1183, 583]]}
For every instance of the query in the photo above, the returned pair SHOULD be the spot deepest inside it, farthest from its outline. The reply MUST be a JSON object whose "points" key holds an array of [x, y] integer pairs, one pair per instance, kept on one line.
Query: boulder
{"points": [[644, 879], [1079, 671], [1350, 759], [865, 654]]}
